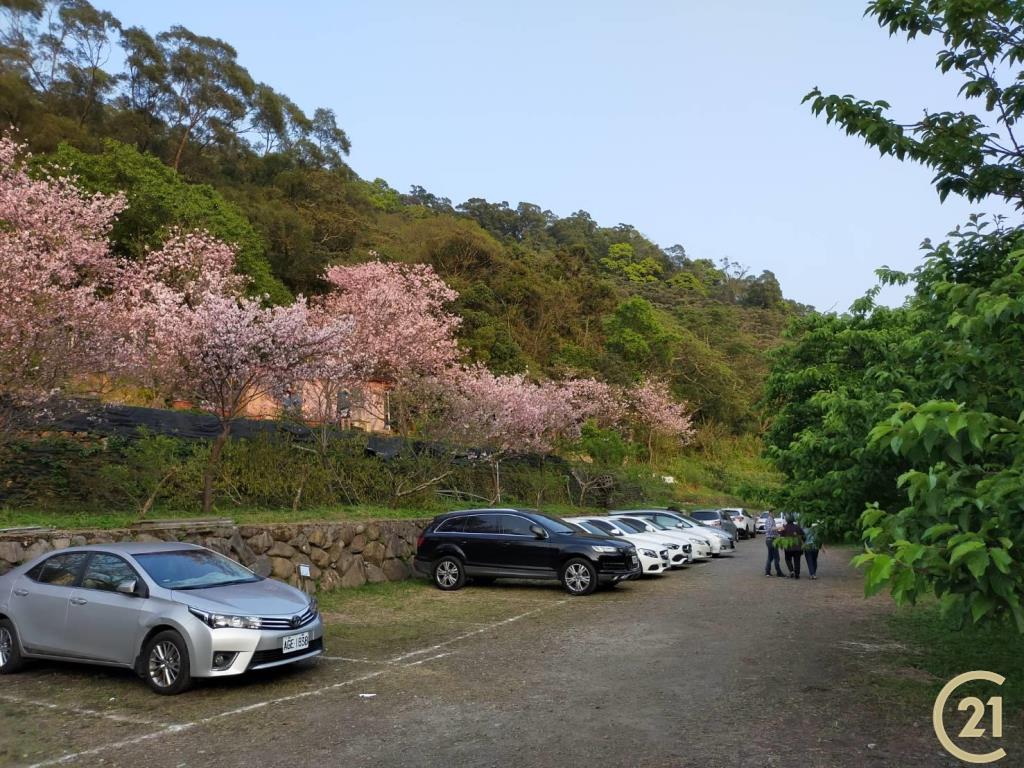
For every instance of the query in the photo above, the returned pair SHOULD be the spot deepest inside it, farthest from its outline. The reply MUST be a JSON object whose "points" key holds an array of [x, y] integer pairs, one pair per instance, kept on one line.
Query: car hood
{"points": [[258, 598]]}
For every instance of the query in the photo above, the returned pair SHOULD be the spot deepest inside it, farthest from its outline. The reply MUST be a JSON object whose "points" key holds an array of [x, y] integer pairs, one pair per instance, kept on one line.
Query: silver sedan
{"points": [[171, 612]]}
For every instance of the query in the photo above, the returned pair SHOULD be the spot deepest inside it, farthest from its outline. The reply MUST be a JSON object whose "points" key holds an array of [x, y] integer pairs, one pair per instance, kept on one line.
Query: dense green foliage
{"points": [[918, 412], [195, 141]]}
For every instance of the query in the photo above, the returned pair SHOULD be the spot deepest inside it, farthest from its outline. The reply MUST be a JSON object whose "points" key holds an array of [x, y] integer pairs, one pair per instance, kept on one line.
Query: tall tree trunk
{"points": [[211, 466], [181, 148], [497, 481]]}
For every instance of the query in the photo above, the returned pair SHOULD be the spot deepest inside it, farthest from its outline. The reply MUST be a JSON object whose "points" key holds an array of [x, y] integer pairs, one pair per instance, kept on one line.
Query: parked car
{"points": [[764, 520], [744, 522], [717, 518], [172, 612], [489, 544], [719, 541], [672, 553], [704, 548]]}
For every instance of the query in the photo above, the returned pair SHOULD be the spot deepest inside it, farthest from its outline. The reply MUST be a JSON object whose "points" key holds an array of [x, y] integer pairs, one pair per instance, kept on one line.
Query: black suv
{"points": [[487, 544]]}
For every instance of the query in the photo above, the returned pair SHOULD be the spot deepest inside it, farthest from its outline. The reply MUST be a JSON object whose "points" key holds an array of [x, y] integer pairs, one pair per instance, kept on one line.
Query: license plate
{"points": [[635, 561], [293, 643]]}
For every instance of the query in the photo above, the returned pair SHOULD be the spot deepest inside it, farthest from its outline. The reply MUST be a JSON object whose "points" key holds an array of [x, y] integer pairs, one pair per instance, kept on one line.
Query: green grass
{"points": [[937, 652], [89, 519]]}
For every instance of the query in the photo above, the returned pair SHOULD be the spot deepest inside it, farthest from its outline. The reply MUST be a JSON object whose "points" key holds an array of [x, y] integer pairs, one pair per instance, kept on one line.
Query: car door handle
{"points": [[21, 592], [78, 601]]}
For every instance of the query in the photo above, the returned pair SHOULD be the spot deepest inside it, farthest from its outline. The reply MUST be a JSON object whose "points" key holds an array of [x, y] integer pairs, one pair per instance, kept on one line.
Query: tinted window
{"points": [[453, 524], [604, 527], [481, 524], [556, 526], [62, 570], [193, 569], [704, 514], [515, 524], [628, 525], [106, 572]]}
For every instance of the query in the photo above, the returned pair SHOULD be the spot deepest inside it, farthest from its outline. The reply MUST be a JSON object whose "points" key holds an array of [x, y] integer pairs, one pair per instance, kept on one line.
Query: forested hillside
{"points": [[194, 141]]}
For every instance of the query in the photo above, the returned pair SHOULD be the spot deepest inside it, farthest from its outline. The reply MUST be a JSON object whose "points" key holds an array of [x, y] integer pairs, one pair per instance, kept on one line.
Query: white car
{"points": [[766, 519], [653, 556], [676, 555], [745, 523], [704, 547], [718, 541]]}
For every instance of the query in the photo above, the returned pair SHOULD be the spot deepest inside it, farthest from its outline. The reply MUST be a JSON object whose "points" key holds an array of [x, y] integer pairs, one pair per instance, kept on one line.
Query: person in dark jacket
{"points": [[794, 550], [812, 545]]}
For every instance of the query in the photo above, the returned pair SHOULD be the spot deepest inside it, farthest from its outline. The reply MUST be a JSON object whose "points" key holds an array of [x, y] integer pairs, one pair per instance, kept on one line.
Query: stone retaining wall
{"points": [[338, 554]]}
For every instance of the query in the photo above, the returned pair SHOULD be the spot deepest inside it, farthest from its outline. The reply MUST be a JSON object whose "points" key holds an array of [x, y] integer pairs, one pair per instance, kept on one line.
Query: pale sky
{"points": [[681, 118]]}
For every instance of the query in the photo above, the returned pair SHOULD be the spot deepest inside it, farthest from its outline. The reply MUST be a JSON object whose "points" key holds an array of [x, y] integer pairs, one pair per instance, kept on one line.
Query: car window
{"points": [[193, 569], [451, 525], [666, 520], [555, 526], [481, 524], [702, 514], [62, 570], [633, 526], [105, 572], [591, 527], [604, 527], [515, 525]]}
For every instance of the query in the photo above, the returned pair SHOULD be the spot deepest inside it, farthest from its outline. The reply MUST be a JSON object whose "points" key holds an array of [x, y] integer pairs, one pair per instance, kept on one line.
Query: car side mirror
{"points": [[128, 587], [539, 532]]}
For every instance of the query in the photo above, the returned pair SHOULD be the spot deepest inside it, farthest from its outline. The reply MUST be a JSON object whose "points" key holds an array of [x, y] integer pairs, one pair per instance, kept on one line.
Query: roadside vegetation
{"points": [[905, 425]]}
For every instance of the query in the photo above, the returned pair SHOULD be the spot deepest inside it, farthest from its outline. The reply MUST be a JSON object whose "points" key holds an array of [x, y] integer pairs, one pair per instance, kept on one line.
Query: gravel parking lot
{"points": [[716, 665]]}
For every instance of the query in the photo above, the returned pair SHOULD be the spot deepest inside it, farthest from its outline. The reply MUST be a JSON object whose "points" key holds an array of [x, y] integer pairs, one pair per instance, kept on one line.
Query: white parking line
{"points": [[464, 636], [395, 663], [82, 711]]}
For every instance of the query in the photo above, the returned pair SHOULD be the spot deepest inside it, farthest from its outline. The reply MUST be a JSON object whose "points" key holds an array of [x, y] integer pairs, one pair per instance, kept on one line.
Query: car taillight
{"points": [[421, 539]]}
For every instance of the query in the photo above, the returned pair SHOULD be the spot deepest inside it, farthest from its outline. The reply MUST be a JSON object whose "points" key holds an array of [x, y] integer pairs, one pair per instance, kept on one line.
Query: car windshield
{"points": [[193, 569], [555, 525], [593, 528], [632, 525]]}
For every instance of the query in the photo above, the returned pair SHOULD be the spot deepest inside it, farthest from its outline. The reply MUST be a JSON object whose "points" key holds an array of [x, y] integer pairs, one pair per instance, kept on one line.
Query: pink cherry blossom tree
{"points": [[401, 329], [653, 413], [55, 263]]}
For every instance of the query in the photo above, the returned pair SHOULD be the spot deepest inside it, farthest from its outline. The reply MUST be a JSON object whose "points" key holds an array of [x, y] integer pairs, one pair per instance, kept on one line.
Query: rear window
{"points": [[705, 514]]}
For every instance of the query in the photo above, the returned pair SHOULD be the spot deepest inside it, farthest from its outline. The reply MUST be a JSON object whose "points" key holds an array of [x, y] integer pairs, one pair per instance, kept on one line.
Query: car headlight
{"points": [[672, 546], [224, 621], [649, 553], [687, 548], [603, 548], [314, 606]]}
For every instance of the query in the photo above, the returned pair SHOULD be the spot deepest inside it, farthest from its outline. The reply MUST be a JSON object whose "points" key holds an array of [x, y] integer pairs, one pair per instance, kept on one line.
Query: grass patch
{"points": [[938, 652]]}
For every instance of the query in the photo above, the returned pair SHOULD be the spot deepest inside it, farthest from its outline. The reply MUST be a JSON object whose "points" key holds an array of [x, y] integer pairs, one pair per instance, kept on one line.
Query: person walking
{"points": [[771, 533], [812, 545], [794, 547]]}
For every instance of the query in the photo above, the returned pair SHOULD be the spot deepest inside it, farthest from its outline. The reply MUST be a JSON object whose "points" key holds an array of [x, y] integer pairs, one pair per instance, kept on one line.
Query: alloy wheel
{"points": [[577, 577], [6, 646], [164, 664], [447, 574]]}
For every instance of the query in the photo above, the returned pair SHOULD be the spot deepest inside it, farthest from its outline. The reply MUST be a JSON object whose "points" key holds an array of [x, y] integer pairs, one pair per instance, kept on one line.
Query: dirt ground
{"points": [[712, 666]]}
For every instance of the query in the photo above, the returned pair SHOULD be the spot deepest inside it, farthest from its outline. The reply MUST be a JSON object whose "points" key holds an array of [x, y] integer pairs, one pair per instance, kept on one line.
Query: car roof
{"points": [[488, 510], [131, 547]]}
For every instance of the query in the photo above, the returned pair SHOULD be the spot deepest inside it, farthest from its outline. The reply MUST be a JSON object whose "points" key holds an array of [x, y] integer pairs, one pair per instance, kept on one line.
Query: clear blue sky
{"points": [[681, 118]]}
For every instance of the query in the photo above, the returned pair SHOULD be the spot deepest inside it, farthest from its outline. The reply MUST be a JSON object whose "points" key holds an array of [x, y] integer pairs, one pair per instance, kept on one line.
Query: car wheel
{"points": [[10, 652], [165, 664], [449, 574], [579, 577]]}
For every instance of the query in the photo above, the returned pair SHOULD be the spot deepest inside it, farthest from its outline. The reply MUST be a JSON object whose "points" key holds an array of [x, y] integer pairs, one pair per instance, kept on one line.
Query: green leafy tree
{"points": [[159, 199], [957, 528]]}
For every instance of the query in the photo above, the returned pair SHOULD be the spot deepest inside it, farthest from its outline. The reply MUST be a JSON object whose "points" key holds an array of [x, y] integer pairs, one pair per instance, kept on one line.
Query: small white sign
{"points": [[304, 570]]}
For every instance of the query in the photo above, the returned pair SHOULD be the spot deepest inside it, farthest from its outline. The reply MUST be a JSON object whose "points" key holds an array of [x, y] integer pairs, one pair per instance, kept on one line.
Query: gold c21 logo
{"points": [[972, 729]]}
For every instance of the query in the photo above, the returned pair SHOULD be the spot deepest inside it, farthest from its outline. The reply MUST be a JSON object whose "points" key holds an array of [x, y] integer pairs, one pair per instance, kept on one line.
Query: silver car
{"points": [[172, 612]]}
